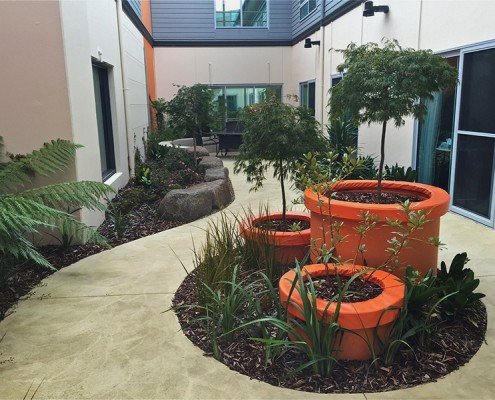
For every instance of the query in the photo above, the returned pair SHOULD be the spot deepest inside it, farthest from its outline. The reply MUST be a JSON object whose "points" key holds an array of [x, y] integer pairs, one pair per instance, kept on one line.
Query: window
{"points": [[104, 121], [306, 7], [233, 99], [307, 95], [241, 13]]}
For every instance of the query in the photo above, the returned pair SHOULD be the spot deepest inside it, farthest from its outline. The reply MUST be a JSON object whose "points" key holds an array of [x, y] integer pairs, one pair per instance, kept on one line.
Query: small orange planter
{"points": [[288, 245], [366, 319], [419, 254]]}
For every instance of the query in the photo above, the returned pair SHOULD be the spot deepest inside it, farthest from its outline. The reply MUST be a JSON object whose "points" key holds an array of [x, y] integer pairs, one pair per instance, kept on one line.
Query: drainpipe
{"points": [[322, 48], [125, 89]]}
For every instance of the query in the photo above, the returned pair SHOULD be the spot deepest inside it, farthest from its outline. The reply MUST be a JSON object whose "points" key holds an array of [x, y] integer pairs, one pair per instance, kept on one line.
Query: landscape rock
{"points": [[214, 174], [187, 204], [210, 162], [200, 151], [221, 194]]}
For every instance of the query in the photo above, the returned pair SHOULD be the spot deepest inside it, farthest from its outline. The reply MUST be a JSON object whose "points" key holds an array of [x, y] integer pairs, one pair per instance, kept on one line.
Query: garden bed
{"points": [[453, 343], [133, 214]]}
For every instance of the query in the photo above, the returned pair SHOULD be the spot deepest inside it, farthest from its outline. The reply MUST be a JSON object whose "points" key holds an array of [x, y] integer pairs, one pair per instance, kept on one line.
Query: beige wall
{"points": [[219, 65]]}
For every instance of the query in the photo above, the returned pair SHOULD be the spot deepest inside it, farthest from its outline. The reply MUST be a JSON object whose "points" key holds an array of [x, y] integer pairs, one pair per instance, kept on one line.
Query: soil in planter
{"points": [[359, 290], [279, 225], [372, 197], [452, 345]]}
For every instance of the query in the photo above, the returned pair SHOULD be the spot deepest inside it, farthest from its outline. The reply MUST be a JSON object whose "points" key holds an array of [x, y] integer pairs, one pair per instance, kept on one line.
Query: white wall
{"points": [[219, 65], [136, 84]]}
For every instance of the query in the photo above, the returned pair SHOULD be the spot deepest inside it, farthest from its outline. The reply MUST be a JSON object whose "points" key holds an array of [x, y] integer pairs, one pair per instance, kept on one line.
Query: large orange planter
{"points": [[288, 246], [419, 254], [366, 319]]}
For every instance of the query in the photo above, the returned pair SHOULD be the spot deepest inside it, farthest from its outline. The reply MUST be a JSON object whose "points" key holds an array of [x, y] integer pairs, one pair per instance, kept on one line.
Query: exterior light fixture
{"points": [[370, 9], [308, 43]]}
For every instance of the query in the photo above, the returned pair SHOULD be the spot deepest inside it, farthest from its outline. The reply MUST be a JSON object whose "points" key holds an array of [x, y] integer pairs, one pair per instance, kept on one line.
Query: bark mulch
{"points": [[452, 345], [279, 225], [359, 290], [372, 197]]}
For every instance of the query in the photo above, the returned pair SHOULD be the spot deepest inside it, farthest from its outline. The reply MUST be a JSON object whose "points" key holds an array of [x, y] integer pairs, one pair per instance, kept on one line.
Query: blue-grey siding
{"points": [[183, 21], [136, 6], [193, 21], [298, 26]]}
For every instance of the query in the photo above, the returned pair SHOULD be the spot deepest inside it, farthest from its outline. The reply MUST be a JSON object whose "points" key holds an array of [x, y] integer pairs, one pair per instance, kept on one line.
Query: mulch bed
{"points": [[278, 225], [452, 345], [372, 197], [358, 290]]}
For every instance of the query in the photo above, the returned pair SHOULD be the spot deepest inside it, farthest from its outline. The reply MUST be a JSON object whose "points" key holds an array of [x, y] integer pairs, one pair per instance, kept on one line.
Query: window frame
{"points": [[242, 18], [307, 83], [108, 137], [310, 12]]}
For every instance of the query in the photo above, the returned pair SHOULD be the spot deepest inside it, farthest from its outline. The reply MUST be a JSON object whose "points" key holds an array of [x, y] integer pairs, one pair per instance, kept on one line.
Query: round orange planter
{"points": [[366, 319], [419, 254], [288, 245]]}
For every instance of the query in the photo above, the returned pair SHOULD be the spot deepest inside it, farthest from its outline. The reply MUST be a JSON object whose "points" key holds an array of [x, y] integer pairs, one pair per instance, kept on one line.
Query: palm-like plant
{"points": [[24, 211]]}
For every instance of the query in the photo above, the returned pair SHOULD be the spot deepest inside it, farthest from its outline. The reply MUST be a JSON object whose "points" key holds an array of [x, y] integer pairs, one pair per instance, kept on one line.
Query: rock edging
{"points": [[202, 199]]}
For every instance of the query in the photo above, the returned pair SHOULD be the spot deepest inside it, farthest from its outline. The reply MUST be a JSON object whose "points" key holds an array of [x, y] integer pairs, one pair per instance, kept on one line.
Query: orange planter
{"points": [[288, 245], [418, 253], [366, 318]]}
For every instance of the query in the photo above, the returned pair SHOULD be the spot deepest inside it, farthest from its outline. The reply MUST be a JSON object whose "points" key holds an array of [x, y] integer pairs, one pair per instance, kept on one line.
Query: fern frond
{"points": [[81, 232], [52, 157], [18, 246], [70, 194]]}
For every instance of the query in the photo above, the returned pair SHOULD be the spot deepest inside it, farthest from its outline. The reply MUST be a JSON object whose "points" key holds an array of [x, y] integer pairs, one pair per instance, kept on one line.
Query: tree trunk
{"points": [[382, 160], [284, 200]]}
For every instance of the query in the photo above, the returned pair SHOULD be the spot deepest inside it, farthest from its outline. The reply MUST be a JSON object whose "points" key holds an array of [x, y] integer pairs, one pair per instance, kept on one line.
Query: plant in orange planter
{"points": [[276, 135], [382, 85]]}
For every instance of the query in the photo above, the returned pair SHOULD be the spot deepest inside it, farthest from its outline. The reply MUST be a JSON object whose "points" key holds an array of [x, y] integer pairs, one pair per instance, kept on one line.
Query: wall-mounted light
{"points": [[308, 43], [370, 9]]}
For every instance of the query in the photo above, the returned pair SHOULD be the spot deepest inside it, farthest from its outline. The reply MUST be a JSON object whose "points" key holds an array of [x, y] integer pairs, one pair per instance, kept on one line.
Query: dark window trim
{"points": [[136, 20], [308, 83], [107, 120]]}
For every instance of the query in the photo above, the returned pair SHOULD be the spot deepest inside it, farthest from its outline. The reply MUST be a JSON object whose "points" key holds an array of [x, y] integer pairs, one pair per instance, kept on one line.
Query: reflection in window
{"points": [[241, 13], [306, 7], [307, 95], [233, 99]]}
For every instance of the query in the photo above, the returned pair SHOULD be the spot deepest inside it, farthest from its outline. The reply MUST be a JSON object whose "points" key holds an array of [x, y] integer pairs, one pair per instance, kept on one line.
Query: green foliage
{"points": [[160, 107], [24, 211], [153, 149], [460, 282], [275, 135], [118, 218], [342, 135], [129, 198], [384, 83], [143, 176], [191, 111], [396, 173]]}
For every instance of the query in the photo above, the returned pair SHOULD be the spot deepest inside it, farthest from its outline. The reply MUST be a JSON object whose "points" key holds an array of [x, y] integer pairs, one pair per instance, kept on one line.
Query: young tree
{"points": [[191, 111], [276, 135], [387, 83]]}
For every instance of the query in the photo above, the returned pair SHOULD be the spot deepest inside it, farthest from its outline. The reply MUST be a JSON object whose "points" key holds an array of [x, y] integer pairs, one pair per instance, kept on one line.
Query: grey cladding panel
{"points": [[299, 26], [136, 6], [176, 20], [332, 6]]}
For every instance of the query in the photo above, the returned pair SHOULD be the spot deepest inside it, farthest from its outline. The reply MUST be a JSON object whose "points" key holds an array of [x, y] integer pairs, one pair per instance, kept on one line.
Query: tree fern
{"points": [[24, 212]]}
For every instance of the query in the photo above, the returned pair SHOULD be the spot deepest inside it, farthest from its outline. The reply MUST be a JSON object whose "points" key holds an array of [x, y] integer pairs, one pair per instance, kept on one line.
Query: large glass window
{"points": [[104, 121], [230, 100], [306, 7], [241, 13], [307, 95], [435, 137]]}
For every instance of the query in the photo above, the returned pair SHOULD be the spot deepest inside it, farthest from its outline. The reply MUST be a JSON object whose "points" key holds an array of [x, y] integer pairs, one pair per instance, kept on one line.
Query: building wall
{"points": [[190, 21], [219, 65]]}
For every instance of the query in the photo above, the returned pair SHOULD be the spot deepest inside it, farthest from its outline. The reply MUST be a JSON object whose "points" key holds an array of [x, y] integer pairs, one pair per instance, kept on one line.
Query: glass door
{"points": [[472, 182]]}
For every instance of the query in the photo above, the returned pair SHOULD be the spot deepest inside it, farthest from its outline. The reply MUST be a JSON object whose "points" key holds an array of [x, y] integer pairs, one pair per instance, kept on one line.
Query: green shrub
{"points": [[131, 197], [24, 211], [459, 284], [397, 173]]}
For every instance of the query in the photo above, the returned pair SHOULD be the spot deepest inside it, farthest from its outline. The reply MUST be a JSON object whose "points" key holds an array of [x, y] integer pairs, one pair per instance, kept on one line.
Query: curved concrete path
{"points": [[97, 329]]}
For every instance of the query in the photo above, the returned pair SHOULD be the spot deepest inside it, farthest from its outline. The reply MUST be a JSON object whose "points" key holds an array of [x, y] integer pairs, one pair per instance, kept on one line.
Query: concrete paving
{"points": [[97, 328]]}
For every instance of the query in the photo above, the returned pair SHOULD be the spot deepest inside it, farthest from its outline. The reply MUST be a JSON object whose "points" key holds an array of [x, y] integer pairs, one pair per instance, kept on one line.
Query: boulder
{"points": [[187, 204], [210, 162], [214, 174], [221, 194], [200, 151]]}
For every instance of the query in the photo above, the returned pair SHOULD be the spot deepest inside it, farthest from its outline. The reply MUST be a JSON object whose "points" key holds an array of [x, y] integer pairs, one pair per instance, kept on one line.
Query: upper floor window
{"points": [[241, 13], [306, 7]]}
